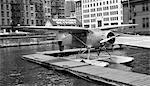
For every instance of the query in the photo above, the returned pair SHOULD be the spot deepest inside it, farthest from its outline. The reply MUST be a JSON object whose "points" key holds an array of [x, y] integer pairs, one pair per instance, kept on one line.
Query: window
{"points": [[27, 21], [2, 14], [2, 7], [8, 21], [99, 23], [100, 3], [99, 9], [7, 14], [3, 21], [94, 4], [105, 24], [113, 1], [37, 22], [86, 21], [32, 22], [93, 26], [143, 22], [113, 18], [106, 13], [106, 19], [103, 3], [7, 7], [93, 20], [32, 8], [116, 1], [99, 14], [27, 8], [93, 10], [145, 7], [114, 23], [92, 15], [32, 15], [107, 2], [49, 10], [134, 21], [27, 14], [86, 16], [147, 22]]}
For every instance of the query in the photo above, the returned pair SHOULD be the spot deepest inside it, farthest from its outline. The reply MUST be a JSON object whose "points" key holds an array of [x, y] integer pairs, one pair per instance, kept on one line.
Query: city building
{"points": [[98, 13], [69, 8], [137, 12], [38, 11], [78, 10], [20, 12], [5, 12], [57, 8], [11, 14], [47, 8]]}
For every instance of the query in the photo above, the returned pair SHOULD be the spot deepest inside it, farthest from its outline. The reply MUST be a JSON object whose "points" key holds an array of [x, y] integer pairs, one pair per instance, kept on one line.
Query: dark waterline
{"points": [[16, 71]]}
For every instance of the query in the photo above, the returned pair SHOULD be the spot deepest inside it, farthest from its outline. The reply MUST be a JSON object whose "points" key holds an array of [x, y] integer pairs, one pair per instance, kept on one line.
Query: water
{"points": [[15, 71]]}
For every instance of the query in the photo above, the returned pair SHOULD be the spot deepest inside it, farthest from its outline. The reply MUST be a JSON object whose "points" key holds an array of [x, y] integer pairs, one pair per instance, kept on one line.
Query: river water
{"points": [[15, 71]]}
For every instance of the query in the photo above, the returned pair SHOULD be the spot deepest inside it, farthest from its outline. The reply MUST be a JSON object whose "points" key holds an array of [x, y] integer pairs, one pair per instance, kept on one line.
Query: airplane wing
{"points": [[137, 41], [117, 26], [56, 28]]}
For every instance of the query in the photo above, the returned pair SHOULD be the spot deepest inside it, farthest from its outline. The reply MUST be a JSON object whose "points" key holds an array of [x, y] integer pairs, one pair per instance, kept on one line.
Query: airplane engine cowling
{"points": [[108, 34]]}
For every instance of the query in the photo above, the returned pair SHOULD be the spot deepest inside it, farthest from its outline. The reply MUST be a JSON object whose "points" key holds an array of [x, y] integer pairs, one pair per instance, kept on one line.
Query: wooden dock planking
{"points": [[114, 75], [39, 57], [70, 64], [142, 82]]}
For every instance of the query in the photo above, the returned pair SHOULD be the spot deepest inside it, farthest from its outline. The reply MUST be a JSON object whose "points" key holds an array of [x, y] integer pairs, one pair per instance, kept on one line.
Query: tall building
{"points": [[47, 8], [39, 13], [137, 12], [5, 12], [78, 10], [69, 8], [98, 13], [20, 12], [57, 8]]}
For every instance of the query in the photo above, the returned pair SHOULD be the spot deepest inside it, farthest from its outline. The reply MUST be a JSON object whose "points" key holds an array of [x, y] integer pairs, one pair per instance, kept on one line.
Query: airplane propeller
{"points": [[107, 39]]}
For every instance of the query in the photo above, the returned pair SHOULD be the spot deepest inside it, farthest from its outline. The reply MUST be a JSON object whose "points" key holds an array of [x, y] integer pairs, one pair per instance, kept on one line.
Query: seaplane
{"points": [[86, 39]]}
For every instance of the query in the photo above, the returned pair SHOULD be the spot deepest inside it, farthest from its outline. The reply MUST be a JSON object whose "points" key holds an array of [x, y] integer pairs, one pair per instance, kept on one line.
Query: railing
{"points": [[26, 40]]}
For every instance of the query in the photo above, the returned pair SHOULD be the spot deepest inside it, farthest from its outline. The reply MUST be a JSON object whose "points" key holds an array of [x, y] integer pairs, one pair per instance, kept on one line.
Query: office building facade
{"points": [[137, 12], [57, 8], [98, 13], [69, 8]]}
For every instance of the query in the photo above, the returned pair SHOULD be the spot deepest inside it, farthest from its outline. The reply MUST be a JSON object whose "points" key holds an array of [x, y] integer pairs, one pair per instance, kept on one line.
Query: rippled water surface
{"points": [[15, 71]]}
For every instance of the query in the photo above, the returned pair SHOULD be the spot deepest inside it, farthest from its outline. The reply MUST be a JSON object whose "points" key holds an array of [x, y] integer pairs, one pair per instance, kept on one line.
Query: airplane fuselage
{"points": [[81, 39]]}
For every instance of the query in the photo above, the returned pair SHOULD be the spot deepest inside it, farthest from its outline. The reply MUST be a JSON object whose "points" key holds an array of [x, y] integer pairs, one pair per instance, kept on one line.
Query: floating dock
{"points": [[84, 70]]}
